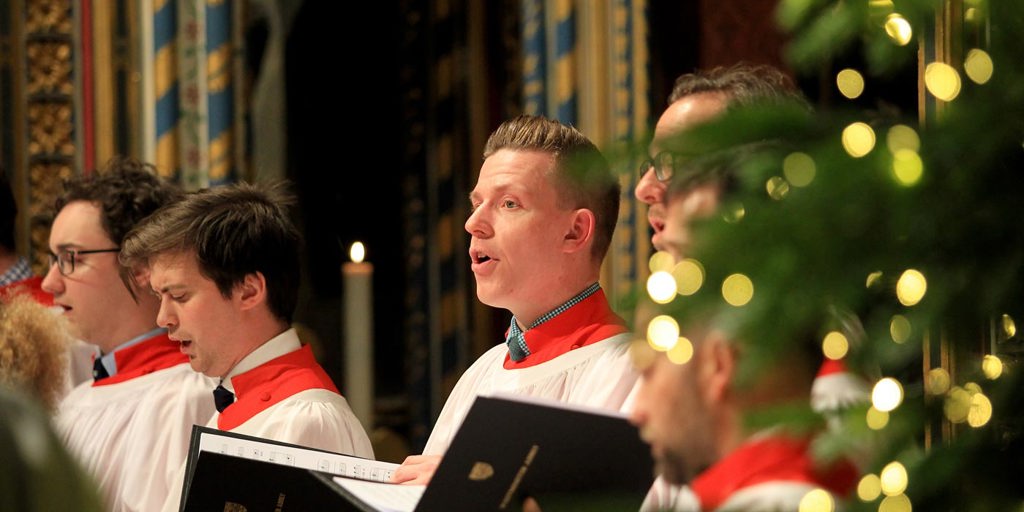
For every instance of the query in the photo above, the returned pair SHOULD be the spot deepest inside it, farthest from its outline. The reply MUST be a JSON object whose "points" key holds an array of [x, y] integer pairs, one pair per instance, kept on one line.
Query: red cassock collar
{"points": [[773, 459], [590, 321], [264, 386], [154, 354]]}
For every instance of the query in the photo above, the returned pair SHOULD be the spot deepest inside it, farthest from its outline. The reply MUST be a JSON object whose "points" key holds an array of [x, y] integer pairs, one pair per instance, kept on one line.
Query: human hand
{"points": [[416, 470]]}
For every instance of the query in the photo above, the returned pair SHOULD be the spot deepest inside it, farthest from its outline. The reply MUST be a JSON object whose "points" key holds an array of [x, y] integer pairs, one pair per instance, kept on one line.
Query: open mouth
{"points": [[479, 256]]}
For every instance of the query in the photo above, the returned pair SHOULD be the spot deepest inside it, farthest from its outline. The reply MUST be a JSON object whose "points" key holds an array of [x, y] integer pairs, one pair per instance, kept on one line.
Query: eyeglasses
{"points": [[65, 258], [665, 164]]}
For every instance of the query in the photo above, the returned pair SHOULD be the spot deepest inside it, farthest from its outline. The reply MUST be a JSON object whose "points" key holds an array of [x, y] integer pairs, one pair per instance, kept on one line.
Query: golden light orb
{"points": [[893, 478], [818, 500], [957, 405], [907, 167], [898, 29], [901, 136], [662, 332], [737, 289], [734, 212], [689, 276], [1009, 326], [799, 169], [835, 345], [869, 488], [972, 388], [880, 8], [850, 83], [873, 278], [942, 81], [898, 503], [992, 366], [858, 139], [661, 287], [980, 411], [937, 381], [978, 66], [911, 287], [661, 261], [887, 394], [681, 352], [899, 328], [876, 420], [777, 187]]}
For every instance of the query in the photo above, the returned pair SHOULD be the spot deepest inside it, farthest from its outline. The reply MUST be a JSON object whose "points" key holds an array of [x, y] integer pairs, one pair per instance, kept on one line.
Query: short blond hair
{"points": [[33, 348]]}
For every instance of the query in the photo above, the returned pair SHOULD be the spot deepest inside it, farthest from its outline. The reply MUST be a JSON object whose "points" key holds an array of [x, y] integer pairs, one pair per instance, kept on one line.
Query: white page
{"points": [[354, 467], [384, 496]]}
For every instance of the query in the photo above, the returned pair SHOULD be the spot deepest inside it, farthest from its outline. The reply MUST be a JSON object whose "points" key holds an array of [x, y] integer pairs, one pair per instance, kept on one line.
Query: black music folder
{"points": [[566, 457]]}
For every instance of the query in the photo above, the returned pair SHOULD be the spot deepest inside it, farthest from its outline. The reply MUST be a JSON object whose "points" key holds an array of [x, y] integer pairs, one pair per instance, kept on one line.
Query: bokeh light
{"points": [[893, 478], [681, 352], [911, 287], [777, 187], [900, 329], [873, 279], [937, 381], [1009, 326], [887, 394], [978, 66], [980, 411], [957, 404], [898, 503], [898, 29], [858, 139], [869, 488], [662, 332], [907, 167], [737, 289], [689, 276], [876, 420], [835, 345], [661, 261], [992, 366], [661, 286], [818, 500], [799, 169], [942, 81], [901, 136], [733, 212], [850, 83]]}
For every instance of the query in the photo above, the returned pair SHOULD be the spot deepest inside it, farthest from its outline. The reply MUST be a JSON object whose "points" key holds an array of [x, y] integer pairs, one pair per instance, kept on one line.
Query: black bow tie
{"points": [[99, 372], [222, 398]]}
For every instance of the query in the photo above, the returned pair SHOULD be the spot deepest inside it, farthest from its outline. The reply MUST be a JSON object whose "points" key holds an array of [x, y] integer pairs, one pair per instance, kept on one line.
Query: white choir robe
{"points": [[132, 436], [315, 418], [599, 375]]}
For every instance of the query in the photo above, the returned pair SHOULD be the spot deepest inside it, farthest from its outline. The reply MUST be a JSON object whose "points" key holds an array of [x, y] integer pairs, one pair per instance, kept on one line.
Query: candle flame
{"points": [[357, 252]]}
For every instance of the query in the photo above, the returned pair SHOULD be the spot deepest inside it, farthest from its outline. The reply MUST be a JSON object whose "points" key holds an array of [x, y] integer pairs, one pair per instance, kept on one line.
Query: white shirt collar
{"points": [[284, 343]]}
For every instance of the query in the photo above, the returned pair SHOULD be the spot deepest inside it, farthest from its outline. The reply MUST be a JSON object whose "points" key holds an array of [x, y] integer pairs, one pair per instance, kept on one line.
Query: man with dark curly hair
{"points": [[130, 426]]}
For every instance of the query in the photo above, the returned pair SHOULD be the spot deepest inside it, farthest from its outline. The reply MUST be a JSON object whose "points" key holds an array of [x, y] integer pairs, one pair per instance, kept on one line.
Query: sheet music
{"points": [[353, 467], [384, 497]]}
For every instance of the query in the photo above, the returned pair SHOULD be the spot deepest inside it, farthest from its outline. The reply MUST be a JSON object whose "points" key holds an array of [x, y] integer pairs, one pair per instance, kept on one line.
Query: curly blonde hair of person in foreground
{"points": [[33, 348]]}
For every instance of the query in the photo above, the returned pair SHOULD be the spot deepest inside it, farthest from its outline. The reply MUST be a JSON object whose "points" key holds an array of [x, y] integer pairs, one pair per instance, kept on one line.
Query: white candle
{"points": [[358, 390]]}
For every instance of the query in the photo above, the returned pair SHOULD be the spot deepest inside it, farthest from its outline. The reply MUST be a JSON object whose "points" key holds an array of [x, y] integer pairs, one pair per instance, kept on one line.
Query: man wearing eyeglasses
{"points": [[130, 424], [698, 98]]}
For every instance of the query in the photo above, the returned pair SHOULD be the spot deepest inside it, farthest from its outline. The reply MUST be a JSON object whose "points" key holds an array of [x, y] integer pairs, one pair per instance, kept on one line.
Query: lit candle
{"points": [[358, 390]]}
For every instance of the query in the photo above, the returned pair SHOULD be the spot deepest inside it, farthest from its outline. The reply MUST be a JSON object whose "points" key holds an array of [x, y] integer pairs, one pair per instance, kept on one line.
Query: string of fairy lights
{"points": [[961, 404]]}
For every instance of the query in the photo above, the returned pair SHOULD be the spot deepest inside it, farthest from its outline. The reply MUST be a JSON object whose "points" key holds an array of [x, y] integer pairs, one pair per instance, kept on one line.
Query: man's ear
{"points": [[252, 291], [718, 366], [581, 231]]}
